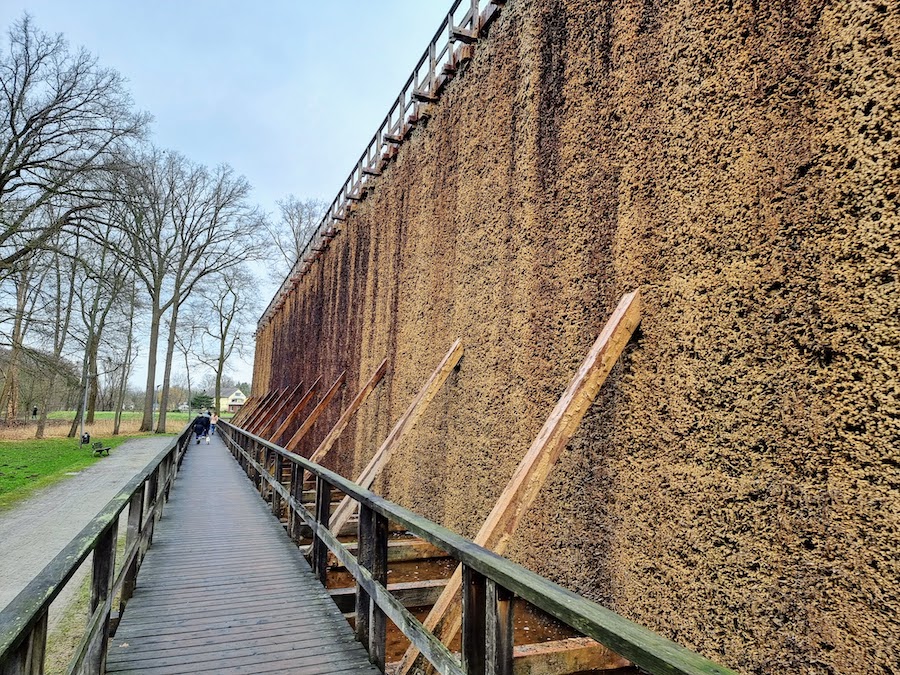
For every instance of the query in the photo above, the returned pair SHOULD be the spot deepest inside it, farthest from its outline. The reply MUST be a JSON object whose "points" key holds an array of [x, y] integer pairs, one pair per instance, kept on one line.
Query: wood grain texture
{"points": [[222, 590], [531, 474]]}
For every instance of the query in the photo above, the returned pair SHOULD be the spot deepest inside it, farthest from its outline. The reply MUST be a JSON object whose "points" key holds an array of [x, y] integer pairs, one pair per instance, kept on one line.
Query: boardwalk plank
{"points": [[224, 590]]}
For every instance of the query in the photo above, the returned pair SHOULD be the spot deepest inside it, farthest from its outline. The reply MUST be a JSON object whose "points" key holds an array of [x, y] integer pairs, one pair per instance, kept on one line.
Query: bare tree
{"points": [[231, 305], [287, 236], [62, 118], [187, 222]]}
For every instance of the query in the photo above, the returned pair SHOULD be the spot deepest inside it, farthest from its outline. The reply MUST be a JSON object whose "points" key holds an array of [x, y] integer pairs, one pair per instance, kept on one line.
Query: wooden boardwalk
{"points": [[223, 589]]}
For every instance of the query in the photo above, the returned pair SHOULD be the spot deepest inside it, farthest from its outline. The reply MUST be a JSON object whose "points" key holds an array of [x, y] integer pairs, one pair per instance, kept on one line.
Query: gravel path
{"points": [[33, 532]]}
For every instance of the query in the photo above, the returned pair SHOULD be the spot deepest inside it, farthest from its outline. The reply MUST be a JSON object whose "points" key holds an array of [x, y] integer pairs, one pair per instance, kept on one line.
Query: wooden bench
{"points": [[98, 449]]}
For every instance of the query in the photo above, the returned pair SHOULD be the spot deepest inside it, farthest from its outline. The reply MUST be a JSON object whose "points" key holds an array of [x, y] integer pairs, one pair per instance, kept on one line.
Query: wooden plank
{"points": [[295, 412], [404, 424], [399, 550], [267, 413], [409, 593], [278, 412], [260, 405], [224, 591], [261, 408], [336, 431], [532, 472], [314, 415], [565, 656]]}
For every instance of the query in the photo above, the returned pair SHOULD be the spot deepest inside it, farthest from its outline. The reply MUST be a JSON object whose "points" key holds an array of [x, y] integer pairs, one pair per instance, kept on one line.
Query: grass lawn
{"points": [[28, 465]]}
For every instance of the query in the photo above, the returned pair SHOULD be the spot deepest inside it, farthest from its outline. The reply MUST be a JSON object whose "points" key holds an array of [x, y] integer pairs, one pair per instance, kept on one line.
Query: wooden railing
{"points": [[489, 581], [23, 623], [451, 46]]}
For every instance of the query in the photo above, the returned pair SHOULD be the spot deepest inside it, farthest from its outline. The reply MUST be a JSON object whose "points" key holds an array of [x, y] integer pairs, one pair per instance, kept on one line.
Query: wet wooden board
{"points": [[223, 590]]}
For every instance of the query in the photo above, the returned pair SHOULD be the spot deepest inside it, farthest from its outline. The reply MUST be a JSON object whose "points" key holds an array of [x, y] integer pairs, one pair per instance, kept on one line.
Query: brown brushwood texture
{"points": [[736, 486]]}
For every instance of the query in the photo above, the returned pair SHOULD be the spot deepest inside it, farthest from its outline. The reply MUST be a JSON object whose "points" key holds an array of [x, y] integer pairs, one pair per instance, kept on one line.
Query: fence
{"points": [[24, 621], [451, 46], [489, 580]]}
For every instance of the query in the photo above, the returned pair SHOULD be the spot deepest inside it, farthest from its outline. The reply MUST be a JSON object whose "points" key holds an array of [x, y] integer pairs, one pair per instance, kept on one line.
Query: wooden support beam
{"points": [[535, 467], [314, 415], [265, 415], [336, 431], [295, 412], [401, 550], [260, 409], [404, 424], [278, 414], [574, 655], [410, 594], [249, 407], [264, 403]]}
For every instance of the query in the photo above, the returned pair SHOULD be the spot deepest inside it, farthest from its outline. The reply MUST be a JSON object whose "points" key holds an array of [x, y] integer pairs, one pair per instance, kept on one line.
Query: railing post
{"points": [[371, 622], [102, 575], [323, 513], [133, 540], [276, 495], [499, 627], [28, 658], [473, 621]]}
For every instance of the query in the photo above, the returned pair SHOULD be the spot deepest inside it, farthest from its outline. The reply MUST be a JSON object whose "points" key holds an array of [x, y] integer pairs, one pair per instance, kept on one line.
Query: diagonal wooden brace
{"points": [[444, 618], [404, 424]]}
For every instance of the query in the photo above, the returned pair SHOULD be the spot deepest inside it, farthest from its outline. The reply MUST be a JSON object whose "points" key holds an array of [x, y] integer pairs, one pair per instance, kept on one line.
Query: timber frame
{"points": [[490, 581], [453, 45], [23, 622]]}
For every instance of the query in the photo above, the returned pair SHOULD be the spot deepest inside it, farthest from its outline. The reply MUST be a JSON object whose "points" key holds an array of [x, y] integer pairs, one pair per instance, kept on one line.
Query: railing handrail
{"points": [[21, 615], [632, 641], [357, 180]]}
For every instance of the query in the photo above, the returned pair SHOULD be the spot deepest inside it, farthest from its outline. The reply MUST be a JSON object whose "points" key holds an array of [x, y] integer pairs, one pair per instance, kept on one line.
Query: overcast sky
{"points": [[287, 93]]}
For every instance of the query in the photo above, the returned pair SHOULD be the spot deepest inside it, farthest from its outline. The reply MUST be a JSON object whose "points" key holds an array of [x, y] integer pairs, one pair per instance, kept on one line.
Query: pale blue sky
{"points": [[287, 93]]}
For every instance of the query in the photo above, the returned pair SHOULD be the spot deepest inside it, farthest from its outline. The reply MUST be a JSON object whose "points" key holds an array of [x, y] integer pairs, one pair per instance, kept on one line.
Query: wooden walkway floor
{"points": [[223, 590]]}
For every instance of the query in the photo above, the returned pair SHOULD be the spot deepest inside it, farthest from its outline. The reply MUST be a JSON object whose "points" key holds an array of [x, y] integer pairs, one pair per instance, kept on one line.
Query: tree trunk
{"points": [[167, 373], [155, 317], [42, 414]]}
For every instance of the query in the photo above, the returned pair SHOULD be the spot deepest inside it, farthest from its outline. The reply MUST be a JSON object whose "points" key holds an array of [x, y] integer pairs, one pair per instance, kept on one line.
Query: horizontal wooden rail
{"points": [[23, 623], [490, 580], [465, 22]]}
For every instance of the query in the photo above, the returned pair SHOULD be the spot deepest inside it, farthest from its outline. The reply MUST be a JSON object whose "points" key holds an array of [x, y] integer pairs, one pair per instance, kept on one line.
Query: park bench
{"points": [[98, 449]]}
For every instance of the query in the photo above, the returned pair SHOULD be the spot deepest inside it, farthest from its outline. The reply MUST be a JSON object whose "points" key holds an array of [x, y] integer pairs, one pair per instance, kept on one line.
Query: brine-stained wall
{"points": [[735, 487]]}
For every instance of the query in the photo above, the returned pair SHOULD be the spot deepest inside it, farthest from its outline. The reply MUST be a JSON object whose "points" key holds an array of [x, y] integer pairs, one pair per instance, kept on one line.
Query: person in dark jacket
{"points": [[201, 427]]}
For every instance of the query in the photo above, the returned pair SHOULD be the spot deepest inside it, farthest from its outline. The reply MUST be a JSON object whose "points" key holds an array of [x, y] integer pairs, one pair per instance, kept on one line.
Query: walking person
{"points": [[200, 425], [213, 420]]}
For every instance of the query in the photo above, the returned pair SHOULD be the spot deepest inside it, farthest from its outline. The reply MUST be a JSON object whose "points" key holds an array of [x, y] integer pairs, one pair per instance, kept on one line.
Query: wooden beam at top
{"points": [[263, 428], [269, 410], [314, 415], [404, 424], [295, 412], [525, 484], [342, 423]]}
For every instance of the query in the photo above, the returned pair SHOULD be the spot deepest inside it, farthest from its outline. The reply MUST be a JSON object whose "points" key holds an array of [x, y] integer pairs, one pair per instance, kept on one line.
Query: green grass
{"points": [[171, 417], [28, 465]]}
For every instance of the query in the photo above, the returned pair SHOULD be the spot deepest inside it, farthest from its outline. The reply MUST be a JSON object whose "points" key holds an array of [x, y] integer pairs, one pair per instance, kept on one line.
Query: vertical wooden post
{"points": [[28, 657], [473, 621], [323, 513], [378, 569], [132, 539], [103, 571], [365, 541], [499, 627], [276, 495]]}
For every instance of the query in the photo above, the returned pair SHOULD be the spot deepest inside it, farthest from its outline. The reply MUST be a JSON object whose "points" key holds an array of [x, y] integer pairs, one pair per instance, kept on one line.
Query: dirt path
{"points": [[32, 533]]}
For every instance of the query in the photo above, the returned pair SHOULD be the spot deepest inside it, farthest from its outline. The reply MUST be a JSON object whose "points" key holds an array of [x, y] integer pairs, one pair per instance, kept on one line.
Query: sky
{"points": [[287, 93]]}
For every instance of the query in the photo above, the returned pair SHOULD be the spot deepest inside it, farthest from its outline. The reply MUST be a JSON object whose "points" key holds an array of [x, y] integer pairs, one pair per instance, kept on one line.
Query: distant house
{"points": [[230, 401]]}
